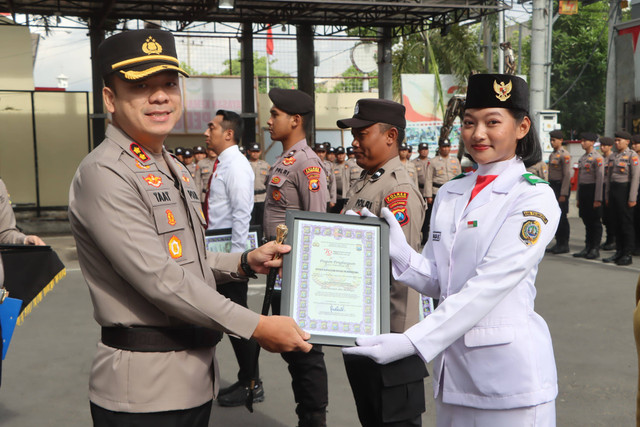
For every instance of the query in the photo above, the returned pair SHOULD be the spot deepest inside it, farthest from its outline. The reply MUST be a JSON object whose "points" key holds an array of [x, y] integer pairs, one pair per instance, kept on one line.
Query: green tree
{"points": [[354, 85], [277, 78]]}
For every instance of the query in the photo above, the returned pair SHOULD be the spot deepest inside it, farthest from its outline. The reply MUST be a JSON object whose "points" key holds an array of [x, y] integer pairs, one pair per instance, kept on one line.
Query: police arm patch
{"points": [[397, 203], [530, 232], [313, 175]]}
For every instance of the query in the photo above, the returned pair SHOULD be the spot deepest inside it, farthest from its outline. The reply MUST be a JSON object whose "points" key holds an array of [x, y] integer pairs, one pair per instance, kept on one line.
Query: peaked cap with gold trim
{"points": [[497, 90], [136, 55]]}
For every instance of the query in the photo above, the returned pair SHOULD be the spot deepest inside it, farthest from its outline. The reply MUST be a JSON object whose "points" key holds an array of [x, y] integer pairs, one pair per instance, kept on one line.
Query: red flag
{"points": [[269, 41]]}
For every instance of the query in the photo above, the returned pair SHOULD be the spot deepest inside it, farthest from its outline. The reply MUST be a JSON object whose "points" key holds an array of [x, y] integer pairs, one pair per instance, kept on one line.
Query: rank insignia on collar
{"points": [[141, 166], [530, 232], [288, 161], [186, 178], [171, 219], [378, 174], [154, 181], [138, 152], [175, 247], [503, 91]]}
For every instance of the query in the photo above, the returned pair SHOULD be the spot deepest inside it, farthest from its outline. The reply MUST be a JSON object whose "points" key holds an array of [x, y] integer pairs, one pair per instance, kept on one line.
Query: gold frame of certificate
{"points": [[336, 277]]}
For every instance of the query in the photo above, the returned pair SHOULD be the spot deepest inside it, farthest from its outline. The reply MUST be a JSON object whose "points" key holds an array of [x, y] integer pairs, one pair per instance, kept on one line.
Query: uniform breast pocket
{"points": [[439, 172], [171, 226], [489, 335], [276, 190]]}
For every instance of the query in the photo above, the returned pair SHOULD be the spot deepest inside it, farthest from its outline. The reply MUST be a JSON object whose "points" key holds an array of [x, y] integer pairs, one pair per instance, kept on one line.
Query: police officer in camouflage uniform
{"points": [[621, 195], [560, 181], [589, 195], [378, 129], [297, 180], [606, 144]]}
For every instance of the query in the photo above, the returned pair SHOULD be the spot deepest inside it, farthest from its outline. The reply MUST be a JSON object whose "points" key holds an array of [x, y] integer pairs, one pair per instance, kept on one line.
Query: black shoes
{"points": [[608, 246], [237, 393], [624, 260], [612, 258], [560, 249], [582, 254], [592, 254]]}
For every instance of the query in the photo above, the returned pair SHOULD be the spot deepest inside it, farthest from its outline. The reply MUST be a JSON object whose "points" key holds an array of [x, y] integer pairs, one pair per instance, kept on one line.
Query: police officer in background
{"points": [[199, 153], [331, 152], [350, 153], [589, 195], [404, 154], [635, 145], [321, 151], [297, 180], [204, 169], [180, 154], [560, 180], [260, 171], [606, 144], [421, 163], [387, 394], [187, 155], [621, 195], [139, 229], [354, 170], [441, 169], [341, 178], [539, 169]]}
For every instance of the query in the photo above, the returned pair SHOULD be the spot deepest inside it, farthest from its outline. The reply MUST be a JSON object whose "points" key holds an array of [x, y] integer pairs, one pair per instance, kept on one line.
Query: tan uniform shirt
{"points": [[260, 170], [139, 230], [440, 171], [191, 167], [341, 177], [591, 171], [421, 168], [560, 170], [204, 169], [540, 169], [297, 180], [331, 182], [392, 187], [354, 171], [412, 171], [623, 167]]}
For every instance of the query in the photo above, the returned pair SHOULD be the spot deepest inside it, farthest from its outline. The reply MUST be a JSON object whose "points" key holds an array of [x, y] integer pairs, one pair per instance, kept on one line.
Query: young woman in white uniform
{"points": [[493, 357]]}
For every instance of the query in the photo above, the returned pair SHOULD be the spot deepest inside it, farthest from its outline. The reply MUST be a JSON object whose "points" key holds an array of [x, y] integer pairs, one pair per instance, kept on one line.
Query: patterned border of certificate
{"points": [[336, 281]]}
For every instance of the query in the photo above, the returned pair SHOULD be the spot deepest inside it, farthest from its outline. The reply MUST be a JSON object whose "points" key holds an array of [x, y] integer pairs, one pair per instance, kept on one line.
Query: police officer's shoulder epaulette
{"points": [[462, 175], [533, 179]]}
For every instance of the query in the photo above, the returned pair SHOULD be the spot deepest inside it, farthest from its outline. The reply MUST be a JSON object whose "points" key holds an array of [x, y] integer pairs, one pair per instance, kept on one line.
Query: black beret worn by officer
{"points": [[136, 217], [387, 393], [590, 196], [297, 180]]}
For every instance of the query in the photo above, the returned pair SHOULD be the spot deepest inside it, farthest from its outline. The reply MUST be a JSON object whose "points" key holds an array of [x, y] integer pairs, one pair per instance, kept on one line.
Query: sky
{"points": [[66, 51]]}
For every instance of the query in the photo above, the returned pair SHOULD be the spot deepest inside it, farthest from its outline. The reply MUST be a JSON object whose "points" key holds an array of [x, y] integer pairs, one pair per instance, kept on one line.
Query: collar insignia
{"points": [[138, 152], [378, 174], [503, 91], [151, 46]]}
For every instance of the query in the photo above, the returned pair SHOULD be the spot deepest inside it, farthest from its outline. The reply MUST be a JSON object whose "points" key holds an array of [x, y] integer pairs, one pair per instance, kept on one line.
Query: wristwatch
{"points": [[244, 265]]}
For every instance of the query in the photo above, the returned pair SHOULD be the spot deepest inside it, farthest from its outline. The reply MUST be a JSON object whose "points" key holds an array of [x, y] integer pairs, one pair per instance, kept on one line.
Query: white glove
{"points": [[399, 249], [383, 349]]}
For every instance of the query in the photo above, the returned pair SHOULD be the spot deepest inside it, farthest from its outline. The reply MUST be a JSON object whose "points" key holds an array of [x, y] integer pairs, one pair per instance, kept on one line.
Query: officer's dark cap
{"points": [[291, 101], [497, 91], [635, 138], [179, 151], [423, 146], [187, 153], [198, 149], [369, 111], [606, 140], [319, 146], [254, 147], [339, 150], [349, 150], [556, 134], [589, 136], [410, 148], [623, 134], [242, 149], [331, 150], [445, 143], [403, 146], [136, 55]]}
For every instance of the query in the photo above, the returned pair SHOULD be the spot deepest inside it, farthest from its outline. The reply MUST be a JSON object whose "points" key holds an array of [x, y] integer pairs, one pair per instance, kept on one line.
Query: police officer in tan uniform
{"points": [[606, 144], [204, 169], [422, 162], [354, 170], [187, 155], [341, 178], [321, 148], [560, 180], [199, 153], [621, 194], [539, 169], [378, 128], [441, 169], [260, 171], [589, 195], [297, 180], [139, 228], [404, 154]]}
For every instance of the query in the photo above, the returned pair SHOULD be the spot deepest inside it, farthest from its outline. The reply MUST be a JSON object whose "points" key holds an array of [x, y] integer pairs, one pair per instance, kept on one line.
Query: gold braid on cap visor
{"points": [[136, 75]]}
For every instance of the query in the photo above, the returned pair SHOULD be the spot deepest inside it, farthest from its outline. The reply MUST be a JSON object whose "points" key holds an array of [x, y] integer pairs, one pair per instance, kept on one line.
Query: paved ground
{"points": [[587, 304]]}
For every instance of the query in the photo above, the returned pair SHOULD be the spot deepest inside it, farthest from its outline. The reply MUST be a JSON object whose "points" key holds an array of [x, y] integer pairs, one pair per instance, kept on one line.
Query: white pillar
{"points": [[538, 37]]}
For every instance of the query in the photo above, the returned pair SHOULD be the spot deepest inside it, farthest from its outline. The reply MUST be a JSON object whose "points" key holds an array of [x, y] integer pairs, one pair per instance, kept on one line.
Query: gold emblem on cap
{"points": [[151, 46], [503, 91]]}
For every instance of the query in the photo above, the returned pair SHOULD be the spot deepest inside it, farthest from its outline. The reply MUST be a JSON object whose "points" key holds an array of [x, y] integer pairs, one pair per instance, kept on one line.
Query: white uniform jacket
{"points": [[491, 349]]}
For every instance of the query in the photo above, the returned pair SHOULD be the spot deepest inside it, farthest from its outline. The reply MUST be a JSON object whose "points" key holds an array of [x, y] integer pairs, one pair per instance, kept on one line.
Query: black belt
{"points": [[155, 340], [421, 185], [437, 185], [259, 191]]}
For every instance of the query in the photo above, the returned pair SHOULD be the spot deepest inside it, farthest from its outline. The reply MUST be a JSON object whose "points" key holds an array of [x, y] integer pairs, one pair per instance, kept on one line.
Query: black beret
{"points": [[605, 140], [372, 110], [623, 134], [254, 147], [136, 55], [291, 101], [198, 149], [557, 134], [497, 90], [589, 136], [635, 138], [423, 146], [403, 146], [349, 150], [339, 150], [319, 146], [179, 151], [187, 153]]}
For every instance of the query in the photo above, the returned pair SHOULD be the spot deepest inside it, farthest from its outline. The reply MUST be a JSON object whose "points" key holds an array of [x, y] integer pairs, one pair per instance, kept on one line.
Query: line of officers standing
{"points": [[607, 194]]}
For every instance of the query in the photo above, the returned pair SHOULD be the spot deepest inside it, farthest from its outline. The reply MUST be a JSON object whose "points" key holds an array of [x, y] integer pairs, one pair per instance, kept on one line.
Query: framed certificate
{"points": [[219, 239], [336, 277]]}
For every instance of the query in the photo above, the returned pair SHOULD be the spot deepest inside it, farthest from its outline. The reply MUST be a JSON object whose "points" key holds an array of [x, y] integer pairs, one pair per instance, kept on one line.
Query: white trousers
{"points": [[543, 415]]}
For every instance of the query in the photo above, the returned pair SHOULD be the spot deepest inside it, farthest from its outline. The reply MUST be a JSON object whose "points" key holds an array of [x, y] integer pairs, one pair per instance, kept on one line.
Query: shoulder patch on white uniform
{"points": [[530, 232], [533, 179]]}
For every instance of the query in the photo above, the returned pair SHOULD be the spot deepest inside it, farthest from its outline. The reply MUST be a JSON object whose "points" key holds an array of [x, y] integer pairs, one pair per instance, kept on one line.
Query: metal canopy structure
{"points": [[328, 16]]}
